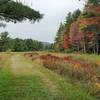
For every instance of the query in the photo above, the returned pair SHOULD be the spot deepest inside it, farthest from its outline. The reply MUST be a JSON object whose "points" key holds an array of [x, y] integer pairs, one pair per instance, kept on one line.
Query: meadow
{"points": [[49, 76]]}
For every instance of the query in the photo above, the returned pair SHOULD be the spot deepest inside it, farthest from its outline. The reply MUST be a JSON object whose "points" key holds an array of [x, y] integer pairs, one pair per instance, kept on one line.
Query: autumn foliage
{"points": [[82, 31], [69, 66]]}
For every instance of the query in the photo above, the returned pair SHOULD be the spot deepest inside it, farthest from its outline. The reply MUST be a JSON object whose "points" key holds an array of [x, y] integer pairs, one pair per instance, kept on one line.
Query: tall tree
{"points": [[18, 45], [4, 41], [76, 14], [69, 20], [59, 37], [29, 44]]}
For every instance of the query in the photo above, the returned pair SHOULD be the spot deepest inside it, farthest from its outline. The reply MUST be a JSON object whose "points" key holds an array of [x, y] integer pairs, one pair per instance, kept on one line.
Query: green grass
{"points": [[43, 84], [21, 87], [88, 57]]}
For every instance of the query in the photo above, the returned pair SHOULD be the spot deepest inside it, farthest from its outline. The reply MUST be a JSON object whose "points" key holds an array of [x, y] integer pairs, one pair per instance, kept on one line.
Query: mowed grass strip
{"points": [[16, 87], [35, 86]]}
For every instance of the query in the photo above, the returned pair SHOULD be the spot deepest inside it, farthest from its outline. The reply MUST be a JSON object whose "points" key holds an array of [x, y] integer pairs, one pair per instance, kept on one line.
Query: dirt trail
{"points": [[21, 66]]}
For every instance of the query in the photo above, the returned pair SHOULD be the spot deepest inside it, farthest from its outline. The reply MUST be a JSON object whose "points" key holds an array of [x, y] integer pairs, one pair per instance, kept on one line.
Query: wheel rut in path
{"points": [[22, 67]]}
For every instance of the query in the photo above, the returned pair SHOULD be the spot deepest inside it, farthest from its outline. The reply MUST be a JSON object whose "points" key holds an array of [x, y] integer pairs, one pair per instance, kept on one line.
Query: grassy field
{"points": [[25, 79]]}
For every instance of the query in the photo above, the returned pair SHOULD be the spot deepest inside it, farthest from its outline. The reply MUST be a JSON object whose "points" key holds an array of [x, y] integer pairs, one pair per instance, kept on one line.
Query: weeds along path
{"points": [[21, 79]]}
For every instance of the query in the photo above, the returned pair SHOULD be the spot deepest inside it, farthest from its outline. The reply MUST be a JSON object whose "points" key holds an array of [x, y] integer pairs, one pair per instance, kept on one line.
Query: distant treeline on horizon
{"points": [[9, 44]]}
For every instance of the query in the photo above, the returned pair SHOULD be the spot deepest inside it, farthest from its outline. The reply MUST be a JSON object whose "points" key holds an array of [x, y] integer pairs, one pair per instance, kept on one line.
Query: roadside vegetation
{"points": [[74, 68], [24, 79]]}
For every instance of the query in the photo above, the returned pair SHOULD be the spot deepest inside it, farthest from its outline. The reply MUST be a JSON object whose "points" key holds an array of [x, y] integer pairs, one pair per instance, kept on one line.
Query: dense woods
{"points": [[17, 44], [81, 30], [62, 37]]}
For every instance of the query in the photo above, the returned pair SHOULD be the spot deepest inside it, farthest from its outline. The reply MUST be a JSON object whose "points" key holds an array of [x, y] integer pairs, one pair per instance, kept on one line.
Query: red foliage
{"points": [[66, 41], [61, 65], [90, 21], [74, 30], [50, 57], [93, 8], [77, 36], [55, 60]]}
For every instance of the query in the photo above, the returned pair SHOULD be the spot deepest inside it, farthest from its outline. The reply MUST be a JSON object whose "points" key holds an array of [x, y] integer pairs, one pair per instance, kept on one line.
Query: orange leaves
{"points": [[55, 60], [59, 64]]}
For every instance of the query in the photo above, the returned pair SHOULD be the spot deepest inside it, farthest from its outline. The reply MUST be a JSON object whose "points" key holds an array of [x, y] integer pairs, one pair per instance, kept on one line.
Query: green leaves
{"points": [[95, 1], [4, 41], [17, 12]]}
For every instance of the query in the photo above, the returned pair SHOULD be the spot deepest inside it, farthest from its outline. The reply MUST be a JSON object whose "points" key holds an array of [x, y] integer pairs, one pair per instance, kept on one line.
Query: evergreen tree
{"points": [[59, 37], [65, 28], [17, 12], [4, 41], [76, 14], [29, 44]]}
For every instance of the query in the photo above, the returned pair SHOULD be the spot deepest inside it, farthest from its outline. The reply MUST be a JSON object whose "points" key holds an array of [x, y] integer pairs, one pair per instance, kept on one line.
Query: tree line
{"points": [[20, 45], [64, 28], [81, 30]]}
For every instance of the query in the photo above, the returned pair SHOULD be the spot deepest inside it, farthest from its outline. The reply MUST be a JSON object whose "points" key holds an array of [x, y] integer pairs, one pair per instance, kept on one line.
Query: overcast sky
{"points": [[54, 12]]}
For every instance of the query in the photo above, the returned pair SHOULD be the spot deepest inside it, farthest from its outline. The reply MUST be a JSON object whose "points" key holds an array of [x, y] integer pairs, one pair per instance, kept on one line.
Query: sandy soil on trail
{"points": [[20, 66]]}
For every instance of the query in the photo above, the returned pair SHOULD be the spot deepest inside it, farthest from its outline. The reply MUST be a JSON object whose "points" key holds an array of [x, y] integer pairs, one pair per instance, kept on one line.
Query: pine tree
{"points": [[17, 12]]}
